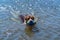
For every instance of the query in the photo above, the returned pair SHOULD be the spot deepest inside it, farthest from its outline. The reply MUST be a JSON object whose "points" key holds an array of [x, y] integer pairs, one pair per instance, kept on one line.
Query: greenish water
{"points": [[47, 10]]}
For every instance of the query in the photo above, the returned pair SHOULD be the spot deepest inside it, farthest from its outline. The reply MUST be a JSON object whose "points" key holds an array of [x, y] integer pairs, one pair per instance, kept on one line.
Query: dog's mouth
{"points": [[30, 22]]}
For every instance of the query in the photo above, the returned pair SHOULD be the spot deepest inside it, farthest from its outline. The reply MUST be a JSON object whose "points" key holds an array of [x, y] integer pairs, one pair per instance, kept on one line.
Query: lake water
{"points": [[47, 10]]}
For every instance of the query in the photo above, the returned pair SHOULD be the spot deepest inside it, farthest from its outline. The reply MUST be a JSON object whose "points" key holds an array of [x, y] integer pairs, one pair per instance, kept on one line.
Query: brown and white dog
{"points": [[30, 21]]}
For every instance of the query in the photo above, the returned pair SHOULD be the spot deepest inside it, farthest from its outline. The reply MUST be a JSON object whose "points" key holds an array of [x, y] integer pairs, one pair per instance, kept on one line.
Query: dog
{"points": [[29, 20]]}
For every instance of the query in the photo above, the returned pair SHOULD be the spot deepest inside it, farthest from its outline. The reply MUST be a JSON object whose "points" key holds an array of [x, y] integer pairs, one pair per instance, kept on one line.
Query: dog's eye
{"points": [[32, 18]]}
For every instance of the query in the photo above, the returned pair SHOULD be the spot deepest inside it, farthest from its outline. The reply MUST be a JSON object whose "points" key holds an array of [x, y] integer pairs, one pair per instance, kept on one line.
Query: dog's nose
{"points": [[30, 22]]}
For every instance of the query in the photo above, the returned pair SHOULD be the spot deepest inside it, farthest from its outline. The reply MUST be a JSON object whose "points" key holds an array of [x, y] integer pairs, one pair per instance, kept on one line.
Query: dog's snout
{"points": [[30, 22], [30, 19]]}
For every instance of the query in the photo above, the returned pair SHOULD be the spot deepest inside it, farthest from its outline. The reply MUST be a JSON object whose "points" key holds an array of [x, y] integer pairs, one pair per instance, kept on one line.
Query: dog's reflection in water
{"points": [[31, 30]]}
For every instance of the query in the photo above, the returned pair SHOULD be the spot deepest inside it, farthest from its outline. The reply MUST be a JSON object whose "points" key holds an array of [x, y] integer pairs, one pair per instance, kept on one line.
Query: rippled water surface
{"points": [[47, 10]]}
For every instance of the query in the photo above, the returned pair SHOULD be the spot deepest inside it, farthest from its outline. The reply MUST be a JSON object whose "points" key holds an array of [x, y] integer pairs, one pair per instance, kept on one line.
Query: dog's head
{"points": [[30, 20]]}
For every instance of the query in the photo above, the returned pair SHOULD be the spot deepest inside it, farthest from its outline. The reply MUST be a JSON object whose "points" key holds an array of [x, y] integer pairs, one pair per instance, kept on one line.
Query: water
{"points": [[47, 10]]}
